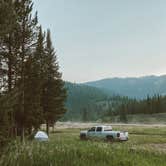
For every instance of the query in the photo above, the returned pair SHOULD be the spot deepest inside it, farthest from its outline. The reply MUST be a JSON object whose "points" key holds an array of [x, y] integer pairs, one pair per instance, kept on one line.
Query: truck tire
{"points": [[83, 137], [109, 138]]}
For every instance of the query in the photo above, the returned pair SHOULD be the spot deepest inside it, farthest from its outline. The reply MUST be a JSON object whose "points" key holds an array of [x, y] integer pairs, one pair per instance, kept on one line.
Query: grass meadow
{"points": [[146, 147]]}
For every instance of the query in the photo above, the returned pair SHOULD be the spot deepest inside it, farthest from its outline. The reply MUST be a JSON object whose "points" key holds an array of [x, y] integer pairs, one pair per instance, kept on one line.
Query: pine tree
{"points": [[53, 91], [33, 84], [7, 57], [33, 107], [26, 38]]}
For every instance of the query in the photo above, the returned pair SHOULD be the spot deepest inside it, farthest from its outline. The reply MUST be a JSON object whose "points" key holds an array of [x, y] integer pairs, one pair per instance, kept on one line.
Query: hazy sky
{"points": [[97, 39]]}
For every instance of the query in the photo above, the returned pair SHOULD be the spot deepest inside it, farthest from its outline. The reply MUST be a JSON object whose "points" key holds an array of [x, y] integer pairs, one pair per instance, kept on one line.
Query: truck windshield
{"points": [[92, 129]]}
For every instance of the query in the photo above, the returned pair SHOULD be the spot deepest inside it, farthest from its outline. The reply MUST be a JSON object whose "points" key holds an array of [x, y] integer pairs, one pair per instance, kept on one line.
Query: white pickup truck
{"points": [[104, 132]]}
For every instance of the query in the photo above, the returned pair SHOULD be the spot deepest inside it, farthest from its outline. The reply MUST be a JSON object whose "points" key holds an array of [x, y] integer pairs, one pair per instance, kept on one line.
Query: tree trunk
{"points": [[47, 128], [30, 130], [9, 74], [15, 131], [9, 69], [53, 128], [23, 134], [23, 78]]}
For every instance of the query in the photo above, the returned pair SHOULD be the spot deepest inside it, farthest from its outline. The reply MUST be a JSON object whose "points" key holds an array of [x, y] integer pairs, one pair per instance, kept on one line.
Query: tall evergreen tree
{"points": [[53, 91], [26, 38], [7, 56], [33, 83]]}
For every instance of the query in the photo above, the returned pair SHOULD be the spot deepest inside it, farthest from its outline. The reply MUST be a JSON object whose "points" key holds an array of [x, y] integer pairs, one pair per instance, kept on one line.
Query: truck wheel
{"points": [[109, 138], [83, 137]]}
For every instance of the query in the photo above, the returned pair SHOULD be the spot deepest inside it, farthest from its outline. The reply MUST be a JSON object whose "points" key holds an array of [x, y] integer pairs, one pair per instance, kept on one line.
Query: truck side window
{"points": [[99, 129], [92, 129]]}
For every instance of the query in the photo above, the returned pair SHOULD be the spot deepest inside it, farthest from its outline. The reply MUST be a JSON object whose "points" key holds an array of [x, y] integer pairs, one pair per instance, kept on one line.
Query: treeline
{"points": [[150, 105], [31, 88], [125, 106], [116, 108]]}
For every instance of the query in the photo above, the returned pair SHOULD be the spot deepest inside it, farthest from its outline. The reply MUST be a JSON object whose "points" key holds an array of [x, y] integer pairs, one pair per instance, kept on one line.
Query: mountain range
{"points": [[133, 87]]}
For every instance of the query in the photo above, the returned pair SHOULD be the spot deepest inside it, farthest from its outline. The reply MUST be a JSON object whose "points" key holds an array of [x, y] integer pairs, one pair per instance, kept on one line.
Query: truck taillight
{"points": [[118, 134]]}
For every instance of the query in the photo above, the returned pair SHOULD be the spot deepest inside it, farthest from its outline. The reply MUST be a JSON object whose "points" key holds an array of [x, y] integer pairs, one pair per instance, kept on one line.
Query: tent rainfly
{"points": [[41, 136]]}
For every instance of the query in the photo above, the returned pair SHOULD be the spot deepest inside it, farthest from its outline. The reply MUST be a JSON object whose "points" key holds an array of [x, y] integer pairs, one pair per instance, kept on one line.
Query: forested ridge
{"points": [[133, 87], [86, 103], [82, 99]]}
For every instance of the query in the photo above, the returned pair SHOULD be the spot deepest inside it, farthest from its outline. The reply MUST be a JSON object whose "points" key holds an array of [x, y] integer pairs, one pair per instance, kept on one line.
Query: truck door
{"points": [[98, 132], [91, 132]]}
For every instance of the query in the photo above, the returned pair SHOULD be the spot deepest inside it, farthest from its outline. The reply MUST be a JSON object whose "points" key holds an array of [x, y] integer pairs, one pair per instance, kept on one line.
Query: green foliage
{"points": [[7, 17]]}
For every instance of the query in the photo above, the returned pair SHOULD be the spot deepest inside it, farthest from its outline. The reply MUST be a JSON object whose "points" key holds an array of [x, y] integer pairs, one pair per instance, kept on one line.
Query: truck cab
{"points": [[104, 132]]}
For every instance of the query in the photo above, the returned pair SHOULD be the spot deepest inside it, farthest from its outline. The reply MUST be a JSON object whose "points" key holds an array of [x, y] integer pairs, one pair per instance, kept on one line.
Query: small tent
{"points": [[41, 136]]}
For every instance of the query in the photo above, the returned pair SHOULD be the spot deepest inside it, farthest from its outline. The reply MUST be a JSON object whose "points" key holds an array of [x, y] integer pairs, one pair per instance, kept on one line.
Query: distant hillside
{"points": [[133, 87], [81, 97]]}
